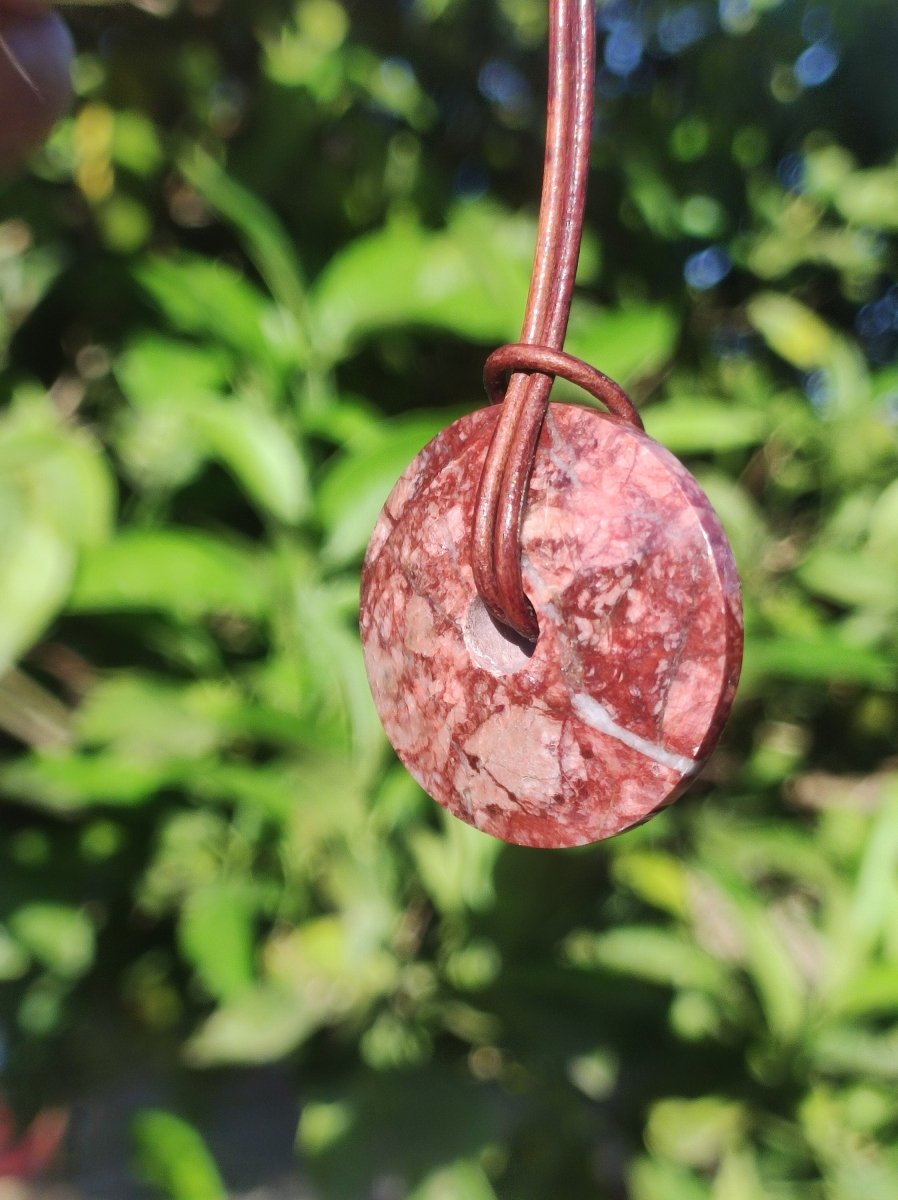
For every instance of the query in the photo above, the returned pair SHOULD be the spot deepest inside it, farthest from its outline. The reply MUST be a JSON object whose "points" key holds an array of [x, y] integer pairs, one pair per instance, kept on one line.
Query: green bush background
{"points": [[255, 271]]}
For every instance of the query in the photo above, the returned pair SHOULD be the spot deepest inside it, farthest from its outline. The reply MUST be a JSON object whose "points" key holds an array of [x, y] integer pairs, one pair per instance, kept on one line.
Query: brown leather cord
{"points": [[538, 358], [548, 246], [556, 364]]}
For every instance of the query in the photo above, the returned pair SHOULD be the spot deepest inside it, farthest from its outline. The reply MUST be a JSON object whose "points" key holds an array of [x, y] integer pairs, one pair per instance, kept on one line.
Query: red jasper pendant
{"points": [[614, 710]]}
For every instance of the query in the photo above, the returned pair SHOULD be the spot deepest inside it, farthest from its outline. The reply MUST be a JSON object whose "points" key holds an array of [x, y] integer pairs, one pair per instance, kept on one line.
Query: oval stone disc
{"points": [[617, 706]]}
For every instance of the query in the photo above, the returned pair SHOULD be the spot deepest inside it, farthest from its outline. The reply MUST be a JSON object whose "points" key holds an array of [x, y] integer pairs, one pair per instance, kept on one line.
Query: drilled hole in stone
{"points": [[493, 646]]}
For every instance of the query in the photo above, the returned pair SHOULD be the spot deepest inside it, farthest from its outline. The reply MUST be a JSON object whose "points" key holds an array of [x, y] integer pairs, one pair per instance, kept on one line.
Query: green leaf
{"points": [[461, 1181], [179, 388], [14, 962], [628, 343], [333, 668], [872, 992], [57, 472], [26, 276], [652, 1180], [188, 854], [258, 1026], [876, 891], [470, 279], [317, 975], [59, 936], [259, 452], [155, 369], [210, 300], [772, 968], [267, 242], [335, 965], [854, 580], [35, 576], [185, 573], [850, 1050], [870, 197], [743, 520], [791, 330], [67, 783], [659, 879], [326, 793], [819, 659], [739, 1177], [322, 1125], [55, 498], [136, 144], [152, 719], [457, 867], [656, 955], [883, 524], [216, 935], [172, 1156], [358, 481], [706, 426], [695, 1133]]}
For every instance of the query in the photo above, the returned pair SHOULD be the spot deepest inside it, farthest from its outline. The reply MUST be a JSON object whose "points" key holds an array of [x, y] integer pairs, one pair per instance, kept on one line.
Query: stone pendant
{"points": [[613, 711]]}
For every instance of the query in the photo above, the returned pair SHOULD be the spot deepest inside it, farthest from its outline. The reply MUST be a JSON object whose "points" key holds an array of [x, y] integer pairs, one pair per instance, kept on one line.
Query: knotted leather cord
{"points": [[538, 358]]}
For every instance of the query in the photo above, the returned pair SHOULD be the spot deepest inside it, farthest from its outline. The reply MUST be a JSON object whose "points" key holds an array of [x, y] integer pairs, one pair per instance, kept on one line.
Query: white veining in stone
{"points": [[599, 718]]}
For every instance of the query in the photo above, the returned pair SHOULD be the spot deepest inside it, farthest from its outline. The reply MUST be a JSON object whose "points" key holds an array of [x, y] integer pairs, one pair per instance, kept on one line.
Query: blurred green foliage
{"points": [[253, 273]]}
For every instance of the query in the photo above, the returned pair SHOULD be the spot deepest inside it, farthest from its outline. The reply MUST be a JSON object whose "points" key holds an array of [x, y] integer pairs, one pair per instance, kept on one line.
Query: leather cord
{"points": [[534, 362]]}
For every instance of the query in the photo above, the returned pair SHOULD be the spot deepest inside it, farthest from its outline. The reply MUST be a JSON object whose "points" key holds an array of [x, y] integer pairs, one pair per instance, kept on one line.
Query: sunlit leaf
{"points": [[870, 197], [260, 453], [462, 1181], [153, 719], [155, 369], [658, 878], [172, 1156], [772, 967], [852, 1050], [652, 1180], [457, 867], [695, 1133], [851, 579], [56, 497], [260, 1025], [334, 669], [791, 330], [14, 961], [181, 388], [266, 240], [208, 299], [216, 936], [470, 279], [186, 573], [72, 783], [817, 659], [59, 936], [876, 891], [35, 577], [656, 955], [703, 426]]}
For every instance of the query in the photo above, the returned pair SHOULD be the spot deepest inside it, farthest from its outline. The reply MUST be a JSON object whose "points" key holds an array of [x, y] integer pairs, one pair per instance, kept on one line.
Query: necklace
{"points": [[551, 614]]}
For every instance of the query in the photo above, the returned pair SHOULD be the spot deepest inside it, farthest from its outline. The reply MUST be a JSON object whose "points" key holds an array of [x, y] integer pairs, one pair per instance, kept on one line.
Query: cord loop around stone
{"points": [[543, 360]]}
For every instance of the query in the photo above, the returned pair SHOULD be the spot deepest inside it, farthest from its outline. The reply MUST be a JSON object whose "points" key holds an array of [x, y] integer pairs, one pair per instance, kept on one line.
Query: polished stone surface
{"points": [[613, 712]]}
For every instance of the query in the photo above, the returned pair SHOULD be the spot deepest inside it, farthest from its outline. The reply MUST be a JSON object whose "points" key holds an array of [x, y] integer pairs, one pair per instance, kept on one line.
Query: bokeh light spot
{"points": [[816, 65], [624, 48], [707, 268]]}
